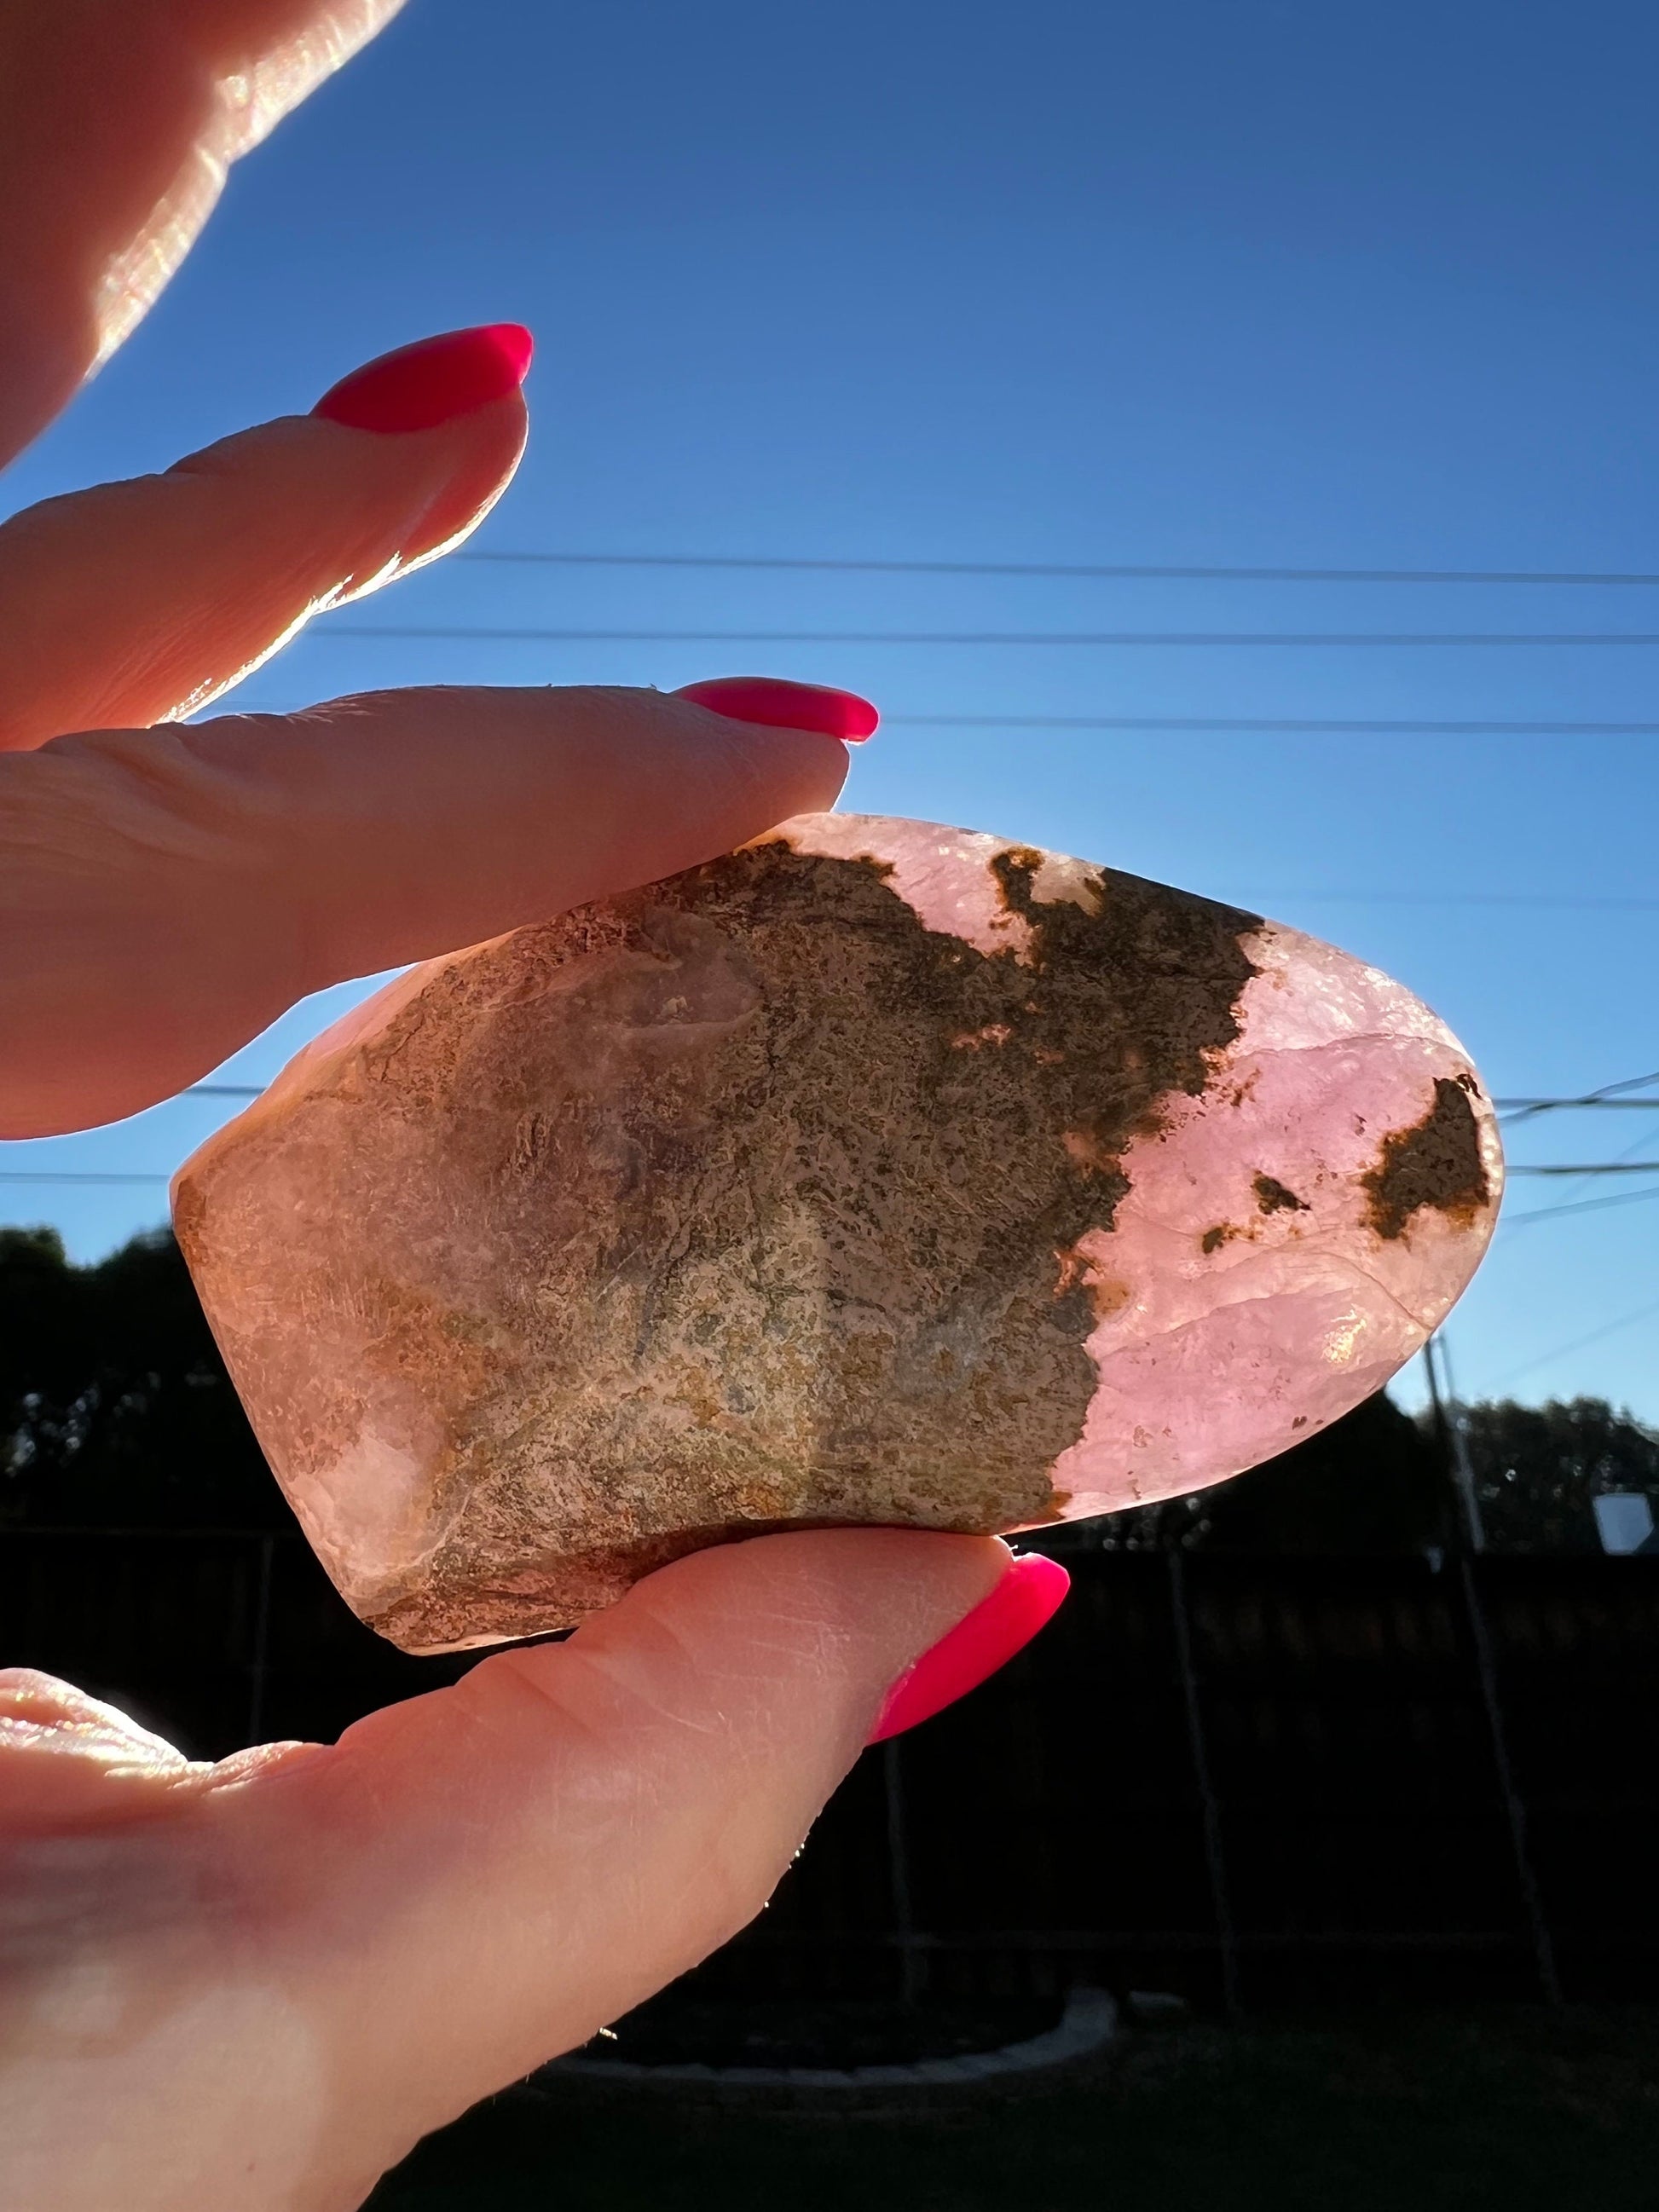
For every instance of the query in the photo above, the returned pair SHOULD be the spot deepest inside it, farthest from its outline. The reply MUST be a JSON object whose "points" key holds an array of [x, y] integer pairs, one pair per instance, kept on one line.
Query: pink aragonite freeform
{"points": [[877, 1172]]}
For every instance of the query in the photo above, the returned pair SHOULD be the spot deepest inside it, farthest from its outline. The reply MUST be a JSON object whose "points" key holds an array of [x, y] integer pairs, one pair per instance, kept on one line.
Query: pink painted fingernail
{"points": [[785, 706], [432, 381], [1025, 1600]]}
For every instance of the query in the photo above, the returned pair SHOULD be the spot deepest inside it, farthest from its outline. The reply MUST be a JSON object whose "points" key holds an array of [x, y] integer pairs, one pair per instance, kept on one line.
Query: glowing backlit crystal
{"points": [[877, 1172]]}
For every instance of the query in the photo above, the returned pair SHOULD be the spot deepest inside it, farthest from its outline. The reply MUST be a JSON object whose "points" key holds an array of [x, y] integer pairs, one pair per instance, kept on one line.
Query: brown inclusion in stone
{"points": [[687, 1215], [1436, 1163]]}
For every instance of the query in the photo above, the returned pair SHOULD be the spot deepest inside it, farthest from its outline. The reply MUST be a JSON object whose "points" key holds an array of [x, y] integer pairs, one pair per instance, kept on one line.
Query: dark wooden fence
{"points": [[1251, 1781]]}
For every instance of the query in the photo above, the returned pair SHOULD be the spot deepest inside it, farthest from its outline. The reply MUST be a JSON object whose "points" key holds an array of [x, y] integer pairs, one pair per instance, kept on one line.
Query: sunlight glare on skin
{"points": [[150, 2084]]}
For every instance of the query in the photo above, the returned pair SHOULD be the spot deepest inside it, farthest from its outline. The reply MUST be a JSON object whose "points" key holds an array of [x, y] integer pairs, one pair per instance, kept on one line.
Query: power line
{"points": [[1106, 637], [44, 1175], [1313, 726], [1578, 1205], [1257, 899], [1578, 1344], [1321, 895], [1524, 1109], [54, 1175], [1609, 1090], [1525, 899], [1109, 569], [1599, 1168], [1522, 1106], [1609, 1095]]}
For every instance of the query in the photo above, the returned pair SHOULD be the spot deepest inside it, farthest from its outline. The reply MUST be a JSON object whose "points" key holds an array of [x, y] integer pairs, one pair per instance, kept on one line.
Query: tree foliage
{"points": [[116, 1412], [1370, 1483], [115, 1408], [1537, 1468], [1377, 1481]]}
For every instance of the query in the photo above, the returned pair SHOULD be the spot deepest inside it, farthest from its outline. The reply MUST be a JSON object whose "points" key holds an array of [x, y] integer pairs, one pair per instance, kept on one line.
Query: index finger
{"points": [[164, 894], [117, 125]]}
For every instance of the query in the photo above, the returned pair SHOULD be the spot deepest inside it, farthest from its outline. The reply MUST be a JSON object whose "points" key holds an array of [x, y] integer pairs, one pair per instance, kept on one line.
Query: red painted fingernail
{"points": [[1025, 1600], [783, 706], [431, 381]]}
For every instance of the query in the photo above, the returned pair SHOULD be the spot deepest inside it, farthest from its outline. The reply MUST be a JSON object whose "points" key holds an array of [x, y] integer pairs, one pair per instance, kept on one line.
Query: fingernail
{"points": [[432, 381], [784, 705], [1025, 1600]]}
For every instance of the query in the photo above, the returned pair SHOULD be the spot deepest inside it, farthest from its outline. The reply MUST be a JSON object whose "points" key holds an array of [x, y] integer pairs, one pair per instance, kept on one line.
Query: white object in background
{"points": [[1624, 1520]]}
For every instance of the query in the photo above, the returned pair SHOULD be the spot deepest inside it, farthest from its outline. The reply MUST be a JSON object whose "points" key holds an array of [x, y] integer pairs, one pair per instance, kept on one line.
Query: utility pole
{"points": [[1449, 1423], [898, 1877], [1226, 1937]]}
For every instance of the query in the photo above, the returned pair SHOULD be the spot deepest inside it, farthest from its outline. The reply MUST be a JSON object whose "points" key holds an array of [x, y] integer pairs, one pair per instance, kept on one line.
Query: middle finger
{"points": [[136, 602], [166, 894]]}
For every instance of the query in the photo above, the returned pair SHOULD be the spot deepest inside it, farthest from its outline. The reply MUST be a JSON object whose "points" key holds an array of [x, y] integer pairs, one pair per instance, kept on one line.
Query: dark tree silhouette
{"points": [[116, 1412], [115, 1408], [1370, 1483], [1537, 1468]]}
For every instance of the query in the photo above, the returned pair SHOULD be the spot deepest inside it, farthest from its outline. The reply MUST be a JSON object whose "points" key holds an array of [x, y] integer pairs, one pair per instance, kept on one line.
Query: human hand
{"points": [[255, 1985]]}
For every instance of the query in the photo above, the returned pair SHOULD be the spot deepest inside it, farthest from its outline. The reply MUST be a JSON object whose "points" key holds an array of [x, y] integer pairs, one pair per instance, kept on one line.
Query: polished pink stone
{"points": [[877, 1172]]}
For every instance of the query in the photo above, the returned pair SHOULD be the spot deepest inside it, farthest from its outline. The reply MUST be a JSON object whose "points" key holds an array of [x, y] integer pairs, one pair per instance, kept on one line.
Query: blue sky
{"points": [[1223, 281]]}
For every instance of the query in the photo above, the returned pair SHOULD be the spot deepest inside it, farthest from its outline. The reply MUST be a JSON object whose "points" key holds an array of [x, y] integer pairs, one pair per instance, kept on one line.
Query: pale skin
{"points": [[256, 1985]]}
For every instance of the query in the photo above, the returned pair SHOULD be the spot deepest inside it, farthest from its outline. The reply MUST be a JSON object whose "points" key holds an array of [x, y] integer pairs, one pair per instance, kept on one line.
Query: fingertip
{"points": [[775, 702], [884, 1599], [431, 382], [1030, 1592]]}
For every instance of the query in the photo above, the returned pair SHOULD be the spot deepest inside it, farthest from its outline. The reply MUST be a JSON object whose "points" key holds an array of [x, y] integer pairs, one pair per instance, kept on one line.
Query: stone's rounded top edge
{"points": [[919, 846], [1351, 997], [318, 1055], [834, 835], [947, 876]]}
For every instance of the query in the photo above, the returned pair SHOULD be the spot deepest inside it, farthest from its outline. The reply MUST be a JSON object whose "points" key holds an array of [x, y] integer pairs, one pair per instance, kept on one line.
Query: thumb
{"points": [[471, 1882]]}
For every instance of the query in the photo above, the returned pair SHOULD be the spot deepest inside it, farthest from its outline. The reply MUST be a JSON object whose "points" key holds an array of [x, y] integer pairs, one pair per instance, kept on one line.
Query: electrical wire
{"points": [[1609, 1090], [1524, 1109], [1577, 1205], [1269, 726], [1609, 1095], [1275, 726], [54, 1175], [1083, 569], [1182, 638], [1564, 903], [1578, 1344], [1597, 1168], [65, 1175]]}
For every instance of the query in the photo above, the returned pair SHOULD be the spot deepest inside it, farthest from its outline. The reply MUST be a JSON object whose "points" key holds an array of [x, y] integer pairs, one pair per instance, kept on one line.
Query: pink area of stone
{"points": [[1218, 1357], [882, 1172]]}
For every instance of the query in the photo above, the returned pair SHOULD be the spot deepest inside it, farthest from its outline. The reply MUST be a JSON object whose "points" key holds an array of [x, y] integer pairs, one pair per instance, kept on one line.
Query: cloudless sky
{"points": [[1215, 282]]}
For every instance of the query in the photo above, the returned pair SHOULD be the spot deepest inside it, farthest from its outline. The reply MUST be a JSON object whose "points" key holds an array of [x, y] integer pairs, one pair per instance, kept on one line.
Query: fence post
{"points": [[898, 1874], [1448, 1417], [259, 1664], [1213, 1852], [1543, 1949]]}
